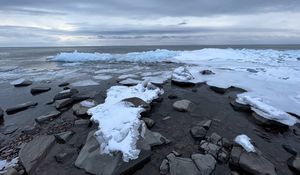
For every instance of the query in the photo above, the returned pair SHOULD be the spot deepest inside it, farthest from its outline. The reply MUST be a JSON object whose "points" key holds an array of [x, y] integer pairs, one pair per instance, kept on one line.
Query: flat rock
{"points": [[64, 137], [21, 82], [210, 148], [198, 132], [294, 164], [205, 163], [205, 124], [253, 163], [83, 96], [130, 82], [149, 122], [59, 104], [9, 129], [239, 107], [63, 84], [218, 89], [266, 122], [20, 107], [82, 123], [179, 165], [80, 109], [34, 151], [50, 116], [137, 102], [155, 138], [182, 105], [65, 94], [38, 90]]}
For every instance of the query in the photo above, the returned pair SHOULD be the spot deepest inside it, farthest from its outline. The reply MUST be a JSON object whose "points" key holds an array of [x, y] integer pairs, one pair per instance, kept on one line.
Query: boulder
{"points": [[210, 148], [205, 163], [50, 116], [65, 94], [182, 105], [38, 90], [20, 107], [198, 132], [179, 165], [59, 104], [63, 137], [149, 122], [34, 151], [207, 72], [294, 163], [21, 82], [253, 163], [215, 138], [137, 102], [93, 162]]}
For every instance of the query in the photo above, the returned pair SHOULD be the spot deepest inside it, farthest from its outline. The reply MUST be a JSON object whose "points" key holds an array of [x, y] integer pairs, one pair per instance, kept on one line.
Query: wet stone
{"points": [[65, 94], [50, 116], [172, 96], [1, 114], [149, 122], [210, 148], [215, 138], [290, 149], [21, 83], [294, 164], [182, 105], [9, 129], [59, 104], [205, 163], [64, 136], [38, 90], [82, 123], [218, 89], [205, 124], [63, 84], [207, 72], [20, 107], [198, 132]]}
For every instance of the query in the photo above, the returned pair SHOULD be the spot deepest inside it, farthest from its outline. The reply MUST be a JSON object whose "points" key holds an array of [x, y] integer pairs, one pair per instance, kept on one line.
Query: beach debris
{"points": [[21, 82], [182, 105], [20, 107]]}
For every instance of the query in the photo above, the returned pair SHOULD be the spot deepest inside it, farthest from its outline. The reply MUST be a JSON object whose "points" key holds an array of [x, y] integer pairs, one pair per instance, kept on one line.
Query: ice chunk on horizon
{"points": [[244, 141], [119, 122]]}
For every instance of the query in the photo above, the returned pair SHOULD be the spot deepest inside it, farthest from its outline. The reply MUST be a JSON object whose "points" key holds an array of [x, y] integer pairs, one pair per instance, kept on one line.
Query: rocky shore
{"points": [[190, 129]]}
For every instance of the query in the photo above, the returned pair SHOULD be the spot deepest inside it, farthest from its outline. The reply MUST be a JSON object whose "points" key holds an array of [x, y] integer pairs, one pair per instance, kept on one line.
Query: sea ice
{"points": [[244, 141], [84, 83]]}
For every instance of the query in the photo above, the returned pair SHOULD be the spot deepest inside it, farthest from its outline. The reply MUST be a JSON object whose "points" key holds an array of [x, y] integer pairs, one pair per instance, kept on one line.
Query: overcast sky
{"points": [[148, 22]]}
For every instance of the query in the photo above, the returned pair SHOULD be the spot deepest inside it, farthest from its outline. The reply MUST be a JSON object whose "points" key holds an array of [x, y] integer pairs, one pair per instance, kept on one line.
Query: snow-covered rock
{"points": [[244, 141]]}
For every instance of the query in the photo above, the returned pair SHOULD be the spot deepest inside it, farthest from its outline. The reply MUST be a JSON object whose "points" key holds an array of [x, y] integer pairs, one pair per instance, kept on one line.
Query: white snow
{"points": [[5, 165], [244, 141], [84, 83], [182, 74], [119, 121], [87, 103]]}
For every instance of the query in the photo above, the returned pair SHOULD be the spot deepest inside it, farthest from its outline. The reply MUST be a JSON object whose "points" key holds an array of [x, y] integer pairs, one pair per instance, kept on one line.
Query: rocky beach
{"points": [[133, 117]]}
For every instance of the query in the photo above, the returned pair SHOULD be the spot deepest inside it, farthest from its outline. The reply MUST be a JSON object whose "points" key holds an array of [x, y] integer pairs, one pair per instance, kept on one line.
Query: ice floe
{"points": [[244, 141], [119, 122], [84, 83]]}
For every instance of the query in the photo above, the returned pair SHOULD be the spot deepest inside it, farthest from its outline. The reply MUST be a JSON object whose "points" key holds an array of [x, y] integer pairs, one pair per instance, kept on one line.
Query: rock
{"points": [[1, 115], [137, 102], [164, 167], [9, 129], [198, 132], [61, 157], [65, 94], [205, 163], [93, 162], [252, 163], [290, 149], [205, 124], [82, 123], [226, 143], [251, 70], [63, 137], [130, 82], [294, 164], [38, 90], [2, 140], [83, 96], [172, 96], [155, 138], [207, 72], [50, 116], [266, 122], [223, 156], [21, 82], [80, 109], [20, 107], [235, 155], [11, 171], [182, 105], [31, 129], [63, 84], [34, 151], [59, 104], [218, 89], [149, 122], [210, 148], [239, 107], [215, 138], [179, 165]]}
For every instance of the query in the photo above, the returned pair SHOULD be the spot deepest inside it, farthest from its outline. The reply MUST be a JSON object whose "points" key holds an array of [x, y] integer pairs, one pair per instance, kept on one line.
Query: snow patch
{"points": [[244, 141], [5, 165], [87, 103]]}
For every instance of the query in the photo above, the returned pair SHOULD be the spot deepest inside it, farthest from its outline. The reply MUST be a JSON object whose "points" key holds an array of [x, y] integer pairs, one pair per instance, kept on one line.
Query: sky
{"points": [[148, 22]]}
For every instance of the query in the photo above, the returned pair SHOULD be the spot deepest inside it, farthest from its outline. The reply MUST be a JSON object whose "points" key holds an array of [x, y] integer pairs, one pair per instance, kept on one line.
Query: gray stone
{"points": [[65, 155], [83, 96], [63, 84], [137, 102], [31, 129], [155, 138], [198, 132], [207, 72], [164, 167], [149, 122], [59, 104], [210, 148], [37, 90], [223, 156], [294, 164], [239, 107], [179, 165], [218, 89], [226, 143], [11, 171], [235, 155], [1, 115], [215, 138], [205, 163], [81, 110], [182, 105], [22, 83], [290, 149], [9, 129], [82, 123], [63, 137], [50, 116], [65, 94], [34, 151], [205, 124], [253, 163], [20, 107]]}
